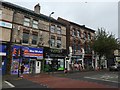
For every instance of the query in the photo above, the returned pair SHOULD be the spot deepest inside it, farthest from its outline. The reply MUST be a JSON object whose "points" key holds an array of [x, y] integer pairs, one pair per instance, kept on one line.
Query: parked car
{"points": [[114, 67]]}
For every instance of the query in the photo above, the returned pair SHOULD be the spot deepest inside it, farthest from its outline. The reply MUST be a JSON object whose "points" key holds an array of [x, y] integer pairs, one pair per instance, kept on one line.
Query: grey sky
{"points": [[92, 13]]}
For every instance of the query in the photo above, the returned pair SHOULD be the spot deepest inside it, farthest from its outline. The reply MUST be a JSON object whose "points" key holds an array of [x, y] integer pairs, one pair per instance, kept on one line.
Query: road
{"points": [[98, 78], [101, 77]]}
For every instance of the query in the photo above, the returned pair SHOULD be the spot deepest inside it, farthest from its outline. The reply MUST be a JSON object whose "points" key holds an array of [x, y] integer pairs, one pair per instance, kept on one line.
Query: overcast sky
{"points": [[93, 14]]}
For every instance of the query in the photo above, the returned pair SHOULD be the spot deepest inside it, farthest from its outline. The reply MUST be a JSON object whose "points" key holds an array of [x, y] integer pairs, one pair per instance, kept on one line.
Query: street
{"points": [[90, 79], [101, 77]]}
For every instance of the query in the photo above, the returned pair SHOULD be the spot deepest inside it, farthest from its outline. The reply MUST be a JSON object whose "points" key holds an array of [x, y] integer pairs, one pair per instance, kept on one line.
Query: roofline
{"points": [[82, 26], [19, 8]]}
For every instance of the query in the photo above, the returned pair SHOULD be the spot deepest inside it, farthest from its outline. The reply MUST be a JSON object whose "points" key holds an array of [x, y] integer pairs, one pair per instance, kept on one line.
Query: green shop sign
{"points": [[55, 50]]}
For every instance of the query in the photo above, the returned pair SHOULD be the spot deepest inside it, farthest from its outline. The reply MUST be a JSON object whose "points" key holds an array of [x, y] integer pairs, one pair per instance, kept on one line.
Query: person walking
{"points": [[22, 70]]}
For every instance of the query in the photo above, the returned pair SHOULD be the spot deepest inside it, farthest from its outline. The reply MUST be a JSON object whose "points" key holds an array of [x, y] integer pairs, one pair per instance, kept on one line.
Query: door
{"points": [[32, 66], [38, 67]]}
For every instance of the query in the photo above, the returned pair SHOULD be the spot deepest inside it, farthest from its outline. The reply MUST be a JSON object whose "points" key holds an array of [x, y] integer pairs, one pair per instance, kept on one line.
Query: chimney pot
{"points": [[37, 8]]}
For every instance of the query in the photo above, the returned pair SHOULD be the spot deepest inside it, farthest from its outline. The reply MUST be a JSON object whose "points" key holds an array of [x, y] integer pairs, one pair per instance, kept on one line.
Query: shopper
{"points": [[22, 70]]}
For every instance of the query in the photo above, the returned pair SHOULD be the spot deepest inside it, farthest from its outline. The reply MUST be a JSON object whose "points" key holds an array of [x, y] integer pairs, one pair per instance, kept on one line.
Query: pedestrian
{"points": [[22, 70], [65, 71]]}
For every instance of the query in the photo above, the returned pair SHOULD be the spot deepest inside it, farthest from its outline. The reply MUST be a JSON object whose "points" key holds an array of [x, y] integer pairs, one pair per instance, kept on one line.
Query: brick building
{"points": [[37, 35], [78, 38]]}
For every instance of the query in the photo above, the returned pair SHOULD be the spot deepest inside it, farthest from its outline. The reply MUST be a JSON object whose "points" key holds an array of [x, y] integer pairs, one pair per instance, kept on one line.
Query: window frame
{"points": [[33, 39], [35, 24], [24, 37], [26, 21]]}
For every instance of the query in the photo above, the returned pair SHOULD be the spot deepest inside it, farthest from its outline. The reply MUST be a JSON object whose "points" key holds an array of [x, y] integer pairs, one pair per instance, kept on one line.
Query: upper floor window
{"points": [[35, 24], [73, 32], [59, 42], [52, 29], [25, 37], [26, 21], [85, 35], [89, 36], [58, 30], [52, 41], [0, 14], [34, 38], [78, 33]]}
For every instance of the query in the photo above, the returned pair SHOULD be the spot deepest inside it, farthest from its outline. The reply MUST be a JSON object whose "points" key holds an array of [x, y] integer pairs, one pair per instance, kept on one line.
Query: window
{"points": [[34, 38], [74, 46], [25, 37], [73, 32], [52, 41], [0, 14], [52, 29], [59, 42], [26, 21], [79, 45], [89, 36], [78, 33], [35, 24], [58, 30], [85, 35]]}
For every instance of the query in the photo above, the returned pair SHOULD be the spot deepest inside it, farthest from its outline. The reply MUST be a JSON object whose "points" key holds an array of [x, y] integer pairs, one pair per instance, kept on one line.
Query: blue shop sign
{"points": [[3, 50], [29, 51]]}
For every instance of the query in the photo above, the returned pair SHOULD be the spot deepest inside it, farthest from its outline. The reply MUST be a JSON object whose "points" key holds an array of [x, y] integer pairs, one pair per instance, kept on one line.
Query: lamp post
{"points": [[49, 31], [49, 26]]}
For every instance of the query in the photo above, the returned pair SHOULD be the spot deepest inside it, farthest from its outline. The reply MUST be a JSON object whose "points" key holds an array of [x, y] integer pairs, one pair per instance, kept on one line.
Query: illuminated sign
{"points": [[29, 51], [5, 24]]}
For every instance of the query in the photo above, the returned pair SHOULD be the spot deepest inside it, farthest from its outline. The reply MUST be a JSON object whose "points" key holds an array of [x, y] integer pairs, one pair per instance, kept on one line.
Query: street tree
{"points": [[104, 44]]}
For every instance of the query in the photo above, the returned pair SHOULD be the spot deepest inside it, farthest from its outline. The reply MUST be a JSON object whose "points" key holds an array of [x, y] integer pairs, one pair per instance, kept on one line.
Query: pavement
{"points": [[12, 81]]}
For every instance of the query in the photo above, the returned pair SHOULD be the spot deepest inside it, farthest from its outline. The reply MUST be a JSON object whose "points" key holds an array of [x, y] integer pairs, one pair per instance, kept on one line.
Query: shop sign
{"points": [[29, 51], [55, 51], [2, 50], [5, 24]]}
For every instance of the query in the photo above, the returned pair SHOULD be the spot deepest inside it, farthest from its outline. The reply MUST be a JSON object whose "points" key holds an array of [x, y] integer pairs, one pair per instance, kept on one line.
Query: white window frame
{"points": [[59, 30], [35, 24], [52, 29], [26, 22]]}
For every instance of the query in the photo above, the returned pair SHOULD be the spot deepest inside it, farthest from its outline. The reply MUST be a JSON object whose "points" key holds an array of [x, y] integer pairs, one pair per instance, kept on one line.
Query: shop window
{"points": [[25, 37], [26, 22], [35, 24]]}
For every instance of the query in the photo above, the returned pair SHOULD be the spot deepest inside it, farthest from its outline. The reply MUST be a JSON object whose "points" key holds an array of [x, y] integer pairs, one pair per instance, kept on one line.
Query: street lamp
{"points": [[49, 26]]}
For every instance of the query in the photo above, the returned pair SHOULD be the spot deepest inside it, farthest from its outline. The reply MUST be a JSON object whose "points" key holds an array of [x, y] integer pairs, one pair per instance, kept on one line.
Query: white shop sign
{"points": [[5, 24]]}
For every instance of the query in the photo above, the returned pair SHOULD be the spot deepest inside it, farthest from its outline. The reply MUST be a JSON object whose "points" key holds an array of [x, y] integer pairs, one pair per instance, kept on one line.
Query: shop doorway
{"points": [[35, 66]]}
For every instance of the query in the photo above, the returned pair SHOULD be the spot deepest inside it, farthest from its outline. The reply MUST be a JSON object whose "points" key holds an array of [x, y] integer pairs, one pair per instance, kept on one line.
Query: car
{"points": [[114, 67]]}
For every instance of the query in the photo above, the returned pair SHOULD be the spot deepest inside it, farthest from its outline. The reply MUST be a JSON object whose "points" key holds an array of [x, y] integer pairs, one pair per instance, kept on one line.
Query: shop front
{"points": [[31, 59], [55, 57], [88, 62], [3, 58]]}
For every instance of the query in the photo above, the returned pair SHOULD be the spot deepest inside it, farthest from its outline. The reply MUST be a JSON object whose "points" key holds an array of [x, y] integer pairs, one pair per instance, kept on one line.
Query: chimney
{"points": [[83, 25], [37, 9]]}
